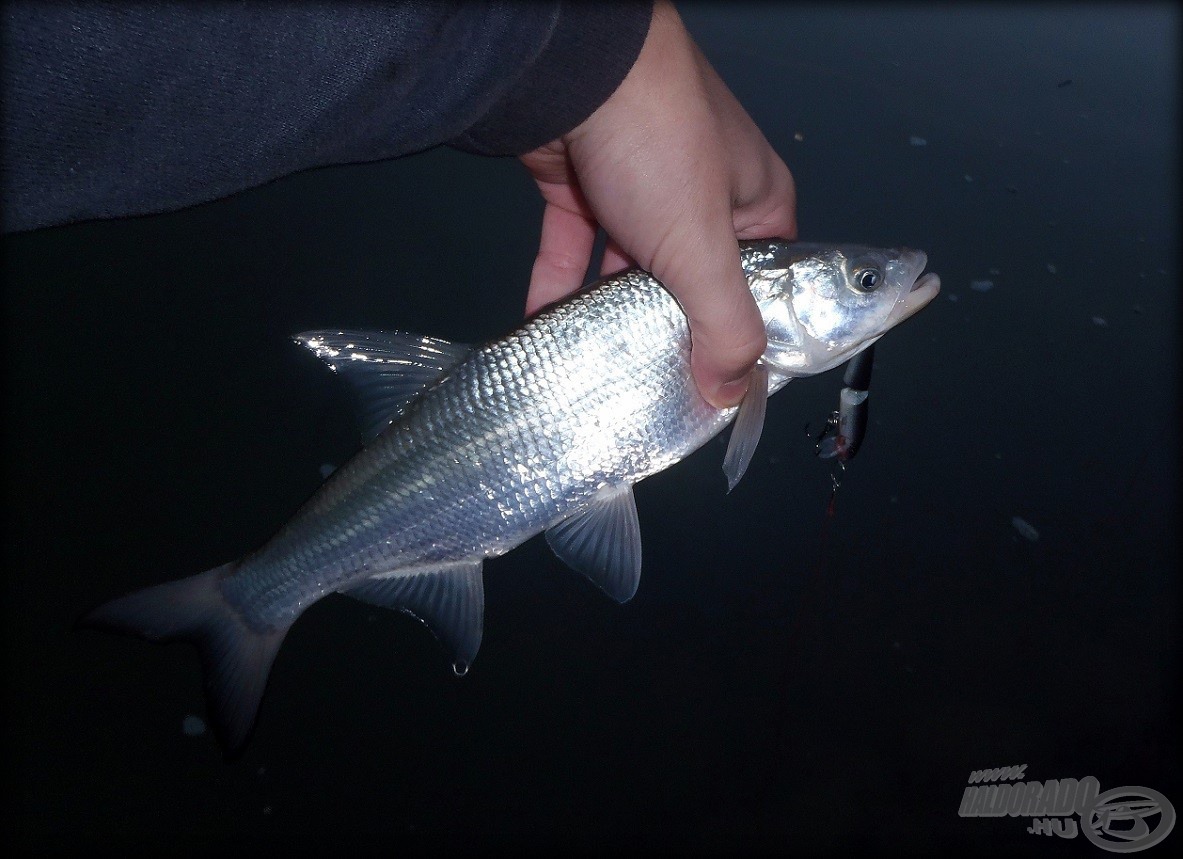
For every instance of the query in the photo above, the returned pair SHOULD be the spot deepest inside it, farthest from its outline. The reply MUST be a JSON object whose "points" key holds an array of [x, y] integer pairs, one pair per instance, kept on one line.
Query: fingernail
{"points": [[731, 393]]}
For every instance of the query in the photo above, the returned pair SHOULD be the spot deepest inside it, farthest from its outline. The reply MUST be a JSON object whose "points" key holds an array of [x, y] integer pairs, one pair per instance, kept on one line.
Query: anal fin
{"points": [[448, 599]]}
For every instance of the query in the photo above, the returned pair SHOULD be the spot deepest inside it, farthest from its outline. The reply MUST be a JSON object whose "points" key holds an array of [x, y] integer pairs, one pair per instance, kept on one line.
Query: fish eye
{"points": [[867, 279]]}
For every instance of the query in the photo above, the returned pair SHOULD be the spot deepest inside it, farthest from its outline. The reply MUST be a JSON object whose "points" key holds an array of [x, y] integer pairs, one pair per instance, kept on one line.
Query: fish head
{"points": [[823, 304]]}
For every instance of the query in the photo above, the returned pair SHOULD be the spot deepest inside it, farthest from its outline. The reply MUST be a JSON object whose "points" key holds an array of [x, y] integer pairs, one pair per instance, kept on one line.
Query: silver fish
{"points": [[473, 451]]}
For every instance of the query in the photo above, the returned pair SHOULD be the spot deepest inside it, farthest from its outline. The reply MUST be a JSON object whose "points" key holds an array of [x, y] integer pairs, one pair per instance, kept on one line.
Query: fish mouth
{"points": [[924, 288]]}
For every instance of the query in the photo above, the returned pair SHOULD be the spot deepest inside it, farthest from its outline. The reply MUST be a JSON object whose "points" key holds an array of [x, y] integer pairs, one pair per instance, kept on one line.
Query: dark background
{"points": [[782, 680]]}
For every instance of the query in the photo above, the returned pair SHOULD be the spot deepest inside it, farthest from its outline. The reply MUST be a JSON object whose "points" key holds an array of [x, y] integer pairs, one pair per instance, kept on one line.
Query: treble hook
{"points": [[846, 428]]}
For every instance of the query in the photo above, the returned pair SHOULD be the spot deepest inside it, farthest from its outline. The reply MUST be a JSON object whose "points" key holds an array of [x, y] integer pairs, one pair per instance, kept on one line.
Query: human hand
{"points": [[676, 172]]}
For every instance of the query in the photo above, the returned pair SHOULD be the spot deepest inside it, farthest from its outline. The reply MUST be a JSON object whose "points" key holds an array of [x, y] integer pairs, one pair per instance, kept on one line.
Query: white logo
{"points": [[1121, 820]]}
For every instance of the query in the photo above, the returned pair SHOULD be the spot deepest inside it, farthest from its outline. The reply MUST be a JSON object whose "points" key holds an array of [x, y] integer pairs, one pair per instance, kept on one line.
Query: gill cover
{"points": [[823, 303]]}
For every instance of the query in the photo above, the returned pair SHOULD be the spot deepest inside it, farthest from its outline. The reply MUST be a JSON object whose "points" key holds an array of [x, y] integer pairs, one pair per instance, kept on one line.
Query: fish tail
{"points": [[236, 656]]}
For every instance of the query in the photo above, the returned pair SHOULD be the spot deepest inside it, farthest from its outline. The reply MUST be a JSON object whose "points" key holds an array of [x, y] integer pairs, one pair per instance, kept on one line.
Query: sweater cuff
{"points": [[591, 49]]}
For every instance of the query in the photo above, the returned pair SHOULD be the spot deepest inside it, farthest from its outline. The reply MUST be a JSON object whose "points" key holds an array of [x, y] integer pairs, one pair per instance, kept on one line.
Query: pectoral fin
{"points": [[603, 541], [749, 423], [386, 369], [449, 600]]}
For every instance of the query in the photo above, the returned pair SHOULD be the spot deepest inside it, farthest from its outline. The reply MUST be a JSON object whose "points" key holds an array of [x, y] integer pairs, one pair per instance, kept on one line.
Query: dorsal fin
{"points": [[386, 369]]}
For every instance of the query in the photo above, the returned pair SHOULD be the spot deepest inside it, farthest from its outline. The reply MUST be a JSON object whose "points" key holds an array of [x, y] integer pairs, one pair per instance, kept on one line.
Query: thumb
{"points": [[726, 330]]}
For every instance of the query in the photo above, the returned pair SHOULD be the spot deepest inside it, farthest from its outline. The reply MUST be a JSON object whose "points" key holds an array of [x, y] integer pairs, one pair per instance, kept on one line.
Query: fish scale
{"points": [[472, 452], [636, 414]]}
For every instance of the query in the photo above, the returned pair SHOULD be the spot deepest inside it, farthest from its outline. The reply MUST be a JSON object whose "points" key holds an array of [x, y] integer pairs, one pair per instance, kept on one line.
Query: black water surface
{"points": [[782, 681]]}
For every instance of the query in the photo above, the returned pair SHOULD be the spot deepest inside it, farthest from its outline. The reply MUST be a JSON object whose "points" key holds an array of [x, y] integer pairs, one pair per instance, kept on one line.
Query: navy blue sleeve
{"points": [[132, 108]]}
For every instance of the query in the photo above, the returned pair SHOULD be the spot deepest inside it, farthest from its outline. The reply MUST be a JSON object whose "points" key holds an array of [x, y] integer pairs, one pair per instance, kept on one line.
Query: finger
{"points": [[765, 194], [727, 338], [615, 259], [772, 213], [727, 332], [564, 252]]}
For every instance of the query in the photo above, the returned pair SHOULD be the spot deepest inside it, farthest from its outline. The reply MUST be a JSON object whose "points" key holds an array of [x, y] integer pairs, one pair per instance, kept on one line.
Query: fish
{"points": [[470, 451]]}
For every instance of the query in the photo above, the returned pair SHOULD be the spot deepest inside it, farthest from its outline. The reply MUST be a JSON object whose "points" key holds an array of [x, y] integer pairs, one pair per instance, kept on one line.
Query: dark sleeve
{"points": [[123, 109]]}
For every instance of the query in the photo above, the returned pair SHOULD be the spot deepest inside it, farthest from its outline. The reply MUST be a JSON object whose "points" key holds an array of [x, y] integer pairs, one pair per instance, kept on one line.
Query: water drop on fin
{"points": [[459, 667]]}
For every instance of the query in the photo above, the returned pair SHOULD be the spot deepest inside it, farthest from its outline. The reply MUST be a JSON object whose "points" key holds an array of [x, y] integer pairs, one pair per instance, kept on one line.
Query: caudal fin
{"points": [[235, 657]]}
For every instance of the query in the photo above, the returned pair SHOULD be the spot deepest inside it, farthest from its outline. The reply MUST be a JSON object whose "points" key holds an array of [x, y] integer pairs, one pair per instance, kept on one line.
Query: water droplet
{"points": [[460, 667], [193, 726], [1024, 528]]}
